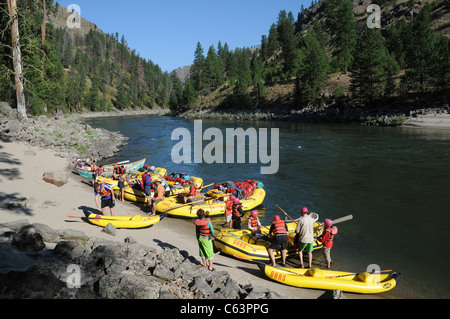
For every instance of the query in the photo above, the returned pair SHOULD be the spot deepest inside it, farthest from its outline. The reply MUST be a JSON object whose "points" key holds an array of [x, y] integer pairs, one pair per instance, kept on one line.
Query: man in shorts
{"points": [[107, 197], [279, 232], [305, 233], [159, 196]]}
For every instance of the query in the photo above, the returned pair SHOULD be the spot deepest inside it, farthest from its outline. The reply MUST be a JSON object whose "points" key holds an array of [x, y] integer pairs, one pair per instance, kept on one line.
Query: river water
{"points": [[395, 181]]}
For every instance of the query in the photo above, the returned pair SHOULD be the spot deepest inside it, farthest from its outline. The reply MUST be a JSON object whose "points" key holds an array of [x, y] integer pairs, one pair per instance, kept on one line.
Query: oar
{"points": [[207, 185], [101, 217], [373, 272], [178, 206], [284, 213], [342, 219]]}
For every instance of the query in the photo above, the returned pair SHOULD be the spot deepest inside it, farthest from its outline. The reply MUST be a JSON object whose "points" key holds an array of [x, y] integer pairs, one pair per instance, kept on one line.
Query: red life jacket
{"points": [[202, 226], [279, 227]]}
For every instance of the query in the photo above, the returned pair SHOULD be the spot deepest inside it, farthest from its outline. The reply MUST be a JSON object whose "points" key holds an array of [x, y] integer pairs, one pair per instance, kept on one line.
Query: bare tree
{"points": [[17, 57]]}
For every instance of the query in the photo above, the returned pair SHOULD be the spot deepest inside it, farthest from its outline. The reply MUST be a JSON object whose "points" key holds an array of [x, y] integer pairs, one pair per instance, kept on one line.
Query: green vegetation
{"points": [[83, 70], [407, 61]]}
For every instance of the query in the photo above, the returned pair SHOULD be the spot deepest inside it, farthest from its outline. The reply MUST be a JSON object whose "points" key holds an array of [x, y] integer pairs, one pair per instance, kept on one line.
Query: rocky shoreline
{"points": [[336, 113], [64, 133], [80, 267]]}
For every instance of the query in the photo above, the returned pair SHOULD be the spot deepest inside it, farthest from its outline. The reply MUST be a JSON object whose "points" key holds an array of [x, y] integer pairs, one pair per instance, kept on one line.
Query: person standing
{"points": [[305, 233], [204, 231], [253, 222], [237, 213], [327, 239], [279, 233], [158, 196], [107, 197]]}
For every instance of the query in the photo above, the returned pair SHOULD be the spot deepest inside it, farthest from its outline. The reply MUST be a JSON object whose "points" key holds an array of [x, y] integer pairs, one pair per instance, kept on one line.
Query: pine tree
{"points": [[197, 70], [421, 53], [287, 42], [369, 69], [312, 74], [341, 25]]}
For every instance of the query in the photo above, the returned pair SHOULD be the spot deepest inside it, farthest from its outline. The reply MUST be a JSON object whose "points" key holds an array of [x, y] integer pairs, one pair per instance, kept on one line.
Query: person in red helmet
{"points": [[279, 232], [253, 222], [327, 239], [237, 213], [305, 234]]}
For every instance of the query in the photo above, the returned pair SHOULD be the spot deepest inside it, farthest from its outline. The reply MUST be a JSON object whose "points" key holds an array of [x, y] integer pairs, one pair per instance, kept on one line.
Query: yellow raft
{"points": [[213, 207], [138, 195], [136, 221], [134, 176], [245, 245], [364, 283]]}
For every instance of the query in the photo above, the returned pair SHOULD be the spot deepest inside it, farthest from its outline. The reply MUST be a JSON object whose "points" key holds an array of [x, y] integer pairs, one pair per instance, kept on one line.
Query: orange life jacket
{"points": [[202, 226], [229, 207], [279, 227], [253, 222], [236, 212], [104, 193]]}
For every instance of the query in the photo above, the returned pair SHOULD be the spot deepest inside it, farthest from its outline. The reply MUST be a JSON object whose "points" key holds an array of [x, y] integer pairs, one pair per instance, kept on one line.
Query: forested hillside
{"points": [[78, 69], [327, 54]]}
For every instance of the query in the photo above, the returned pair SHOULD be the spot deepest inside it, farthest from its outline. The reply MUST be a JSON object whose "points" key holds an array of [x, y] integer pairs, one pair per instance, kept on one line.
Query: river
{"points": [[393, 180]]}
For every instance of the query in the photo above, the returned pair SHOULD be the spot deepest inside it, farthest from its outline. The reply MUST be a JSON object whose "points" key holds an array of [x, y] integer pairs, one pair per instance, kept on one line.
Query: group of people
{"points": [[278, 233], [304, 238]]}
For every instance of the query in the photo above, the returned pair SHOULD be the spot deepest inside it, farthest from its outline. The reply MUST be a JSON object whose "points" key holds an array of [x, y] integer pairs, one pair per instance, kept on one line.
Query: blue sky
{"points": [[167, 32]]}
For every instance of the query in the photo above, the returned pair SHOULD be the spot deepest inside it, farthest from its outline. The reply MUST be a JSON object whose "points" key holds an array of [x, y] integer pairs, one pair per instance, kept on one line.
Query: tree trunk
{"points": [[17, 58]]}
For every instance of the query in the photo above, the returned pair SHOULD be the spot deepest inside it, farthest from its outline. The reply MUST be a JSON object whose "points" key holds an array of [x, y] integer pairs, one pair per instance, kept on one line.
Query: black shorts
{"points": [[148, 191], [280, 240], [121, 184], [107, 203]]}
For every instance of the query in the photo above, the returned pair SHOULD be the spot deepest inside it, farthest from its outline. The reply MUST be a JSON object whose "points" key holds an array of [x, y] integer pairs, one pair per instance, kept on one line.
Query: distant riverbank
{"points": [[389, 116]]}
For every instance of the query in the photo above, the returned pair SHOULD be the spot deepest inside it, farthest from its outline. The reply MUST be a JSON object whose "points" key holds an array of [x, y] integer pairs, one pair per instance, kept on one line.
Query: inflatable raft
{"points": [[245, 245], [136, 221], [86, 172], [212, 206], [135, 193], [364, 283]]}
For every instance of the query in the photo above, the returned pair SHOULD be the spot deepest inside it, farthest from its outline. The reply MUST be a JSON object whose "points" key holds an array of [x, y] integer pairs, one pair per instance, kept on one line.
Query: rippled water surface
{"points": [[394, 181]]}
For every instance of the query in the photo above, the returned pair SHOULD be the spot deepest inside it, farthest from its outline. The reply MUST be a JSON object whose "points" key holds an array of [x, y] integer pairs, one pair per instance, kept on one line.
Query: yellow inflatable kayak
{"points": [[137, 194], [213, 207], [364, 283], [136, 221], [245, 245]]}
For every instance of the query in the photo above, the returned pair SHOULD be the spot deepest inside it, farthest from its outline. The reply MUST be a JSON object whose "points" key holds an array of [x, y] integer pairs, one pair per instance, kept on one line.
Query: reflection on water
{"points": [[394, 181]]}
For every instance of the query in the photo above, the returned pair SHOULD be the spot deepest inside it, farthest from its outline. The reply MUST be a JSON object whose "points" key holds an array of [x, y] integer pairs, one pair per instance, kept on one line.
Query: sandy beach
{"points": [[21, 171]]}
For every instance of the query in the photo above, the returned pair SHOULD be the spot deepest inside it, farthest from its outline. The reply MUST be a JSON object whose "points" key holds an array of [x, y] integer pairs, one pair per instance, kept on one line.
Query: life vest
{"points": [[279, 227], [193, 191], [236, 212], [253, 222], [202, 226], [229, 207], [146, 180], [100, 171], [105, 193]]}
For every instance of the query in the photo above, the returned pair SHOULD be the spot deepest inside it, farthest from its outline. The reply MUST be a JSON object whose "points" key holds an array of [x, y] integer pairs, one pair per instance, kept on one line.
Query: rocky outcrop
{"points": [[81, 267], [61, 133]]}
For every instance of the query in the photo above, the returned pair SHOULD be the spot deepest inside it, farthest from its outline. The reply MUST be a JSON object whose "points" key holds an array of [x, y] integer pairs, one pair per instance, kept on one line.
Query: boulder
{"points": [[28, 239], [58, 178]]}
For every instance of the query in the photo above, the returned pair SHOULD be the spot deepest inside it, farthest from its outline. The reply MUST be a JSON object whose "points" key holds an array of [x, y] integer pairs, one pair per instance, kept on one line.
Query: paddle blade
{"points": [[342, 219]]}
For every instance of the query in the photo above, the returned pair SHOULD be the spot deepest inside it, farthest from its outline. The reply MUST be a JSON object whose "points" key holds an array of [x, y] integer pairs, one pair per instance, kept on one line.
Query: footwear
{"points": [[212, 269]]}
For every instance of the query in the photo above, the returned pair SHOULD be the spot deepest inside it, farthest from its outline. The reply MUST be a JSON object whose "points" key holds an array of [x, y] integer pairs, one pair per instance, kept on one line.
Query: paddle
{"points": [[178, 206], [284, 213], [100, 217], [342, 219], [355, 274]]}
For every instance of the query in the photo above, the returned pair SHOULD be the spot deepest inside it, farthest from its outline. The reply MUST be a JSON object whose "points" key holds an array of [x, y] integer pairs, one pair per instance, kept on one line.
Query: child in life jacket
{"points": [[228, 211], [253, 222], [327, 239]]}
